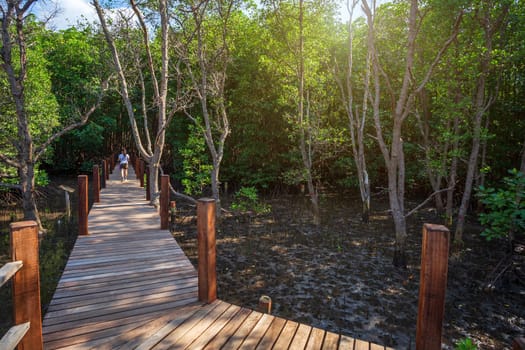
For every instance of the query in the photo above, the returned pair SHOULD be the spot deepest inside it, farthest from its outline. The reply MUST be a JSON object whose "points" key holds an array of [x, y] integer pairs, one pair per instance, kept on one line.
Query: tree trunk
{"points": [[215, 184], [481, 105], [449, 211]]}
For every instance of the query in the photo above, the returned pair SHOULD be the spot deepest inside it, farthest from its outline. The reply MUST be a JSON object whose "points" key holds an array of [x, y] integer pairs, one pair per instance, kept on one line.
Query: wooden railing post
{"points": [[164, 201], [96, 184], [103, 176], [26, 283], [108, 168], [432, 286], [137, 167], [82, 205], [207, 252]]}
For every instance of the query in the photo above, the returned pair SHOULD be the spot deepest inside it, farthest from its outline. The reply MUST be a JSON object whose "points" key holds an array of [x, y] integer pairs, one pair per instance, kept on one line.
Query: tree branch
{"points": [[428, 199], [83, 120]]}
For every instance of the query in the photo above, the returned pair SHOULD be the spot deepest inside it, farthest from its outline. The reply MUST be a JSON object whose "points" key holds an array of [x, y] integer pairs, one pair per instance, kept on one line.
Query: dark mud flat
{"points": [[339, 276]]}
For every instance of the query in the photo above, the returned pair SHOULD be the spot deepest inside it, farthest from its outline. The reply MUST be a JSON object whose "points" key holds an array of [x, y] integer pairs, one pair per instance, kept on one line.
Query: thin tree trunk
{"points": [[481, 105], [449, 214]]}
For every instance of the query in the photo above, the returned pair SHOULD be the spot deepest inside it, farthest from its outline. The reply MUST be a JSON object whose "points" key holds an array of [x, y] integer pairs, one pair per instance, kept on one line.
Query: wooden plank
{"points": [[231, 327], [88, 340], [346, 342], [361, 345], [202, 340], [168, 336], [272, 333], [8, 270], [200, 326], [286, 336], [93, 339], [376, 346], [300, 339], [65, 294], [255, 336], [237, 338], [125, 300], [316, 339], [110, 296], [331, 341], [154, 336], [14, 335], [135, 337], [104, 319]]}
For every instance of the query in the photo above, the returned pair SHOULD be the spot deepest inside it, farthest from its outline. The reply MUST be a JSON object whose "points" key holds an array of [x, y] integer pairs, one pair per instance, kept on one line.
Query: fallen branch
{"points": [[427, 200]]}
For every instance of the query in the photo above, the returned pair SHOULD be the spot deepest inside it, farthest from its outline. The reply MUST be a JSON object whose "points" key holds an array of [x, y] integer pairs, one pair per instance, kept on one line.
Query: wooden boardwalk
{"points": [[128, 285]]}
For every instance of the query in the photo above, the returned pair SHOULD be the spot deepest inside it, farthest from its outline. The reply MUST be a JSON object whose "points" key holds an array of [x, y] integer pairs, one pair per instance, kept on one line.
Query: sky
{"points": [[72, 11]]}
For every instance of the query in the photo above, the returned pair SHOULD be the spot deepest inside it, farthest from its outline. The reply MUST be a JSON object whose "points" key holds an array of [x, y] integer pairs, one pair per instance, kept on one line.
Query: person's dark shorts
{"points": [[124, 166]]}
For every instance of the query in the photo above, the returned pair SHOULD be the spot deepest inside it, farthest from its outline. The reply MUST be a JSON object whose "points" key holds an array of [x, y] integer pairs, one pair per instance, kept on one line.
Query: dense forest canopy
{"points": [[413, 97]]}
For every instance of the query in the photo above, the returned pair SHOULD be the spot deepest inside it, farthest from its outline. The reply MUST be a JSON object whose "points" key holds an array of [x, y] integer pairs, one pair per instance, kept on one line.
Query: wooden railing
{"points": [[24, 270]]}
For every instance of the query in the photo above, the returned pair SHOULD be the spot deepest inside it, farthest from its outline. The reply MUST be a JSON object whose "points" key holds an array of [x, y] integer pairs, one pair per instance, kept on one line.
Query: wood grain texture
{"points": [[26, 283], [432, 286]]}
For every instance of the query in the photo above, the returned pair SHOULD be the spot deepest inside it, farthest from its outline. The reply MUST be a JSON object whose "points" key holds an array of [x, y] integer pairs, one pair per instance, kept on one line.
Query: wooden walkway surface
{"points": [[128, 285]]}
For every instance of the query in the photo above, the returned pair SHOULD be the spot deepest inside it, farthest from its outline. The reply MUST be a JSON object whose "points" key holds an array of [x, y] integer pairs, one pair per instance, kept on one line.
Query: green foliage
{"points": [[505, 206], [195, 163], [247, 199], [466, 344]]}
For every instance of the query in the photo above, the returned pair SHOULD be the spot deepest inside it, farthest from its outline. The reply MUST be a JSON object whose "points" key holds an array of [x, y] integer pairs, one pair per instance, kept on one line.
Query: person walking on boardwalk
{"points": [[123, 159]]}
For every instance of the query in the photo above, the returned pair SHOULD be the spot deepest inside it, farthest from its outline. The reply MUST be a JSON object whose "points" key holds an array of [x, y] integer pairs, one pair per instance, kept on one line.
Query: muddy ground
{"points": [[339, 276]]}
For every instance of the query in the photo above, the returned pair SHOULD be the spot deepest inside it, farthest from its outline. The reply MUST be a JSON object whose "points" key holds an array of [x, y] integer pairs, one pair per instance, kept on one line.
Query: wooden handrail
{"points": [[14, 335], [8, 270]]}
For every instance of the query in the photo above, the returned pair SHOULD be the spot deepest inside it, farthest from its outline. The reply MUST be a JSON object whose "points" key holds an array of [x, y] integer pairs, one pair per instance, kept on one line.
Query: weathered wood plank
{"points": [[123, 284], [231, 327], [171, 339], [361, 345], [316, 339], [237, 338], [257, 332], [203, 339], [134, 338], [200, 326], [286, 336], [301, 337], [272, 333], [13, 336], [124, 301], [8, 270], [331, 341], [346, 342], [110, 317], [108, 296]]}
